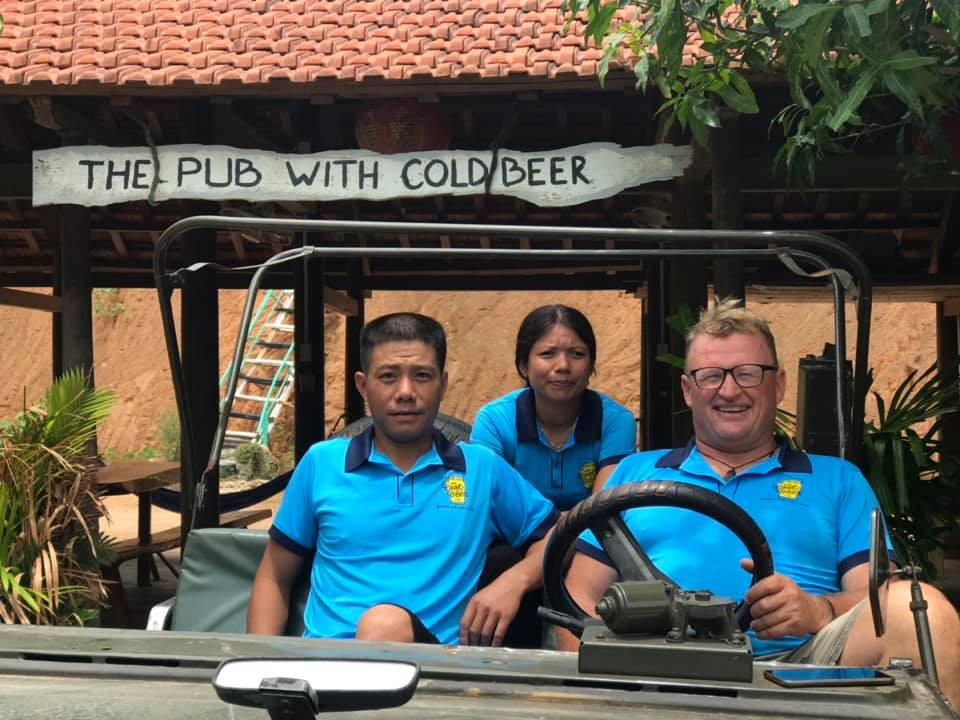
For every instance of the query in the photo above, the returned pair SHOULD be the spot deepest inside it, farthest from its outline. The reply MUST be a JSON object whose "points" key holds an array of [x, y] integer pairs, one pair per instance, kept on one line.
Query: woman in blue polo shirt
{"points": [[562, 437]]}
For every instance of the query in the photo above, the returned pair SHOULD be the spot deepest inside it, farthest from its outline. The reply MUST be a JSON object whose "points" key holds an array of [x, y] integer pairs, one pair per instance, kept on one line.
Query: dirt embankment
{"points": [[131, 359]]}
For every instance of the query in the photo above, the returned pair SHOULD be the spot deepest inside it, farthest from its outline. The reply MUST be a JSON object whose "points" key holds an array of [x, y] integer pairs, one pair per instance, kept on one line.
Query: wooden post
{"points": [[353, 402], [656, 395], [948, 356], [50, 217], [309, 416], [200, 346], [728, 280], [687, 286], [76, 328]]}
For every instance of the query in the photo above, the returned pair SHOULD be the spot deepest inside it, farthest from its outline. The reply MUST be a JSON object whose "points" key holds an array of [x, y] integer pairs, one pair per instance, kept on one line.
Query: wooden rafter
{"points": [[822, 203], [30, 300], [340, 302], [937, 245], [12, 132], [31, 239], [235, 130], [239, 247], [118, 245]]}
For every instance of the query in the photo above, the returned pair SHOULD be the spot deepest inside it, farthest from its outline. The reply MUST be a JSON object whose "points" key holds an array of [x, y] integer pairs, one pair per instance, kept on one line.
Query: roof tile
{"points": [[233, 43]]}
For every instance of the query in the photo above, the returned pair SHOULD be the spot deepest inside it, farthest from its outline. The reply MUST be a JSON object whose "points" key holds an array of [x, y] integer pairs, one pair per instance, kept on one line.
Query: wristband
{"points": [[830, 608]]}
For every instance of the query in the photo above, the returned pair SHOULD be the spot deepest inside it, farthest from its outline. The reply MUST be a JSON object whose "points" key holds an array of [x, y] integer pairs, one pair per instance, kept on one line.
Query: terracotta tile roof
{"points": [[183, 43]]}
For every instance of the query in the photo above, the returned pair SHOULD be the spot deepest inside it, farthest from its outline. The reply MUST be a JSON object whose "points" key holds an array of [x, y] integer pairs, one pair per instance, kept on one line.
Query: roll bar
{"points": [[791, 248]]}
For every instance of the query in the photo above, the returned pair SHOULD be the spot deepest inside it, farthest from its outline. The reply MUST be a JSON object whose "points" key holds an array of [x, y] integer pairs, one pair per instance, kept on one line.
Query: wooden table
{"points": [[140, 477]]}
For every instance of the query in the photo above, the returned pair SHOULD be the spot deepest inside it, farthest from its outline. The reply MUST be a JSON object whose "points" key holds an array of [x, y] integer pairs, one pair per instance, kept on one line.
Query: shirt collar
{"points": [[790, 460], [589, 417], [358, 452]]}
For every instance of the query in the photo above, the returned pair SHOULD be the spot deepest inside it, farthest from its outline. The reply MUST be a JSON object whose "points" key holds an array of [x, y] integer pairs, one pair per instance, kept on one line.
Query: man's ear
{"points": [[781, 384], [360, 380], [443, 384], [686, 387]]}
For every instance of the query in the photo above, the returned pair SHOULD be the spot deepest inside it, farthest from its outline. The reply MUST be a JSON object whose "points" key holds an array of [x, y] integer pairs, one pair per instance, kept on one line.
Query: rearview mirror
{"points": [[879, 569], [297, 689]]}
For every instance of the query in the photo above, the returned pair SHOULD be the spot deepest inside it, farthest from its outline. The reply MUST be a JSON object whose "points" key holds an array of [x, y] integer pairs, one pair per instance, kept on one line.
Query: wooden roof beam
{"points": [[937, 248], [117, 239], [30, 300], [72, 125], [239, 247], [30, 237], [846, 173], [340, 302], [16, 180], [12, 131], [234, 130]]}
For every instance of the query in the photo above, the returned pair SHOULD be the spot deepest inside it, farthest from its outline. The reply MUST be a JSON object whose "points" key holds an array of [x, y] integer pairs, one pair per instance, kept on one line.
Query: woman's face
{"points": [[558, 367]]}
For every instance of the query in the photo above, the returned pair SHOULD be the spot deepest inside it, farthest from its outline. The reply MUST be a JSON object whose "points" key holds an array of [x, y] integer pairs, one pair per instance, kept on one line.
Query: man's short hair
{"points": [[401, 327], [728, 316]]}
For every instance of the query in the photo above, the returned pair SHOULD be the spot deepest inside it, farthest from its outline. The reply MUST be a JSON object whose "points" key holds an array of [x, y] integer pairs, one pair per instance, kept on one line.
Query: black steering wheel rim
{"points": [[601, 512]]}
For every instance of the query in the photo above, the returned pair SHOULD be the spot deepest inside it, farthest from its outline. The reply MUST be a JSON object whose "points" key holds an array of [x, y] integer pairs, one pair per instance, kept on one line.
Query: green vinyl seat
{"points": [[216, 575]]}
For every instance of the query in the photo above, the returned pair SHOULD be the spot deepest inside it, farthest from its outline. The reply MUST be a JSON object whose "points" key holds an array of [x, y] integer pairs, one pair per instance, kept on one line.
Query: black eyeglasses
{"points": [[746, 376]]}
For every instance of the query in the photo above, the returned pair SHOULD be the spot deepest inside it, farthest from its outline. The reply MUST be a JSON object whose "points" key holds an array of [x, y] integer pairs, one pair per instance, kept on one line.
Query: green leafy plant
{"points": [[915, 475], [168, 426], [146, 453], [50, 545], [253, 460], [854, 68], [107, 303]]}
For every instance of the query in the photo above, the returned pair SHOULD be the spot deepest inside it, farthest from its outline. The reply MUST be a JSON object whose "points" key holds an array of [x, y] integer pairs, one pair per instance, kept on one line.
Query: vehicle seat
{"points": [[216, 574]]}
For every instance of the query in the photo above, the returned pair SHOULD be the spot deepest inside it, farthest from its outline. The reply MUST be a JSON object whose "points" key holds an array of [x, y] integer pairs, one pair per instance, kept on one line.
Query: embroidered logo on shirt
{"points": [[456, 489], [588, 474], [789, 489]]}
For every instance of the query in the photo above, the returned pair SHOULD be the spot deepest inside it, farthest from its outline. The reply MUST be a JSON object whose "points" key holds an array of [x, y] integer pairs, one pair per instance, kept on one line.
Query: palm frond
{"points": [[915, 477], [49, 542]]}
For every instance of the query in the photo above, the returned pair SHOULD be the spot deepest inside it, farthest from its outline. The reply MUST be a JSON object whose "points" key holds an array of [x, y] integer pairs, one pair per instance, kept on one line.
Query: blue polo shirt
{"points": [[813, 509], [417, 539], [605, 433]]}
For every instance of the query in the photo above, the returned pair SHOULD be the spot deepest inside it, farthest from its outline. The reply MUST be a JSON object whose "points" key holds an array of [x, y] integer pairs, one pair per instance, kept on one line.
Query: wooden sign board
{"points": [[97, 175]]}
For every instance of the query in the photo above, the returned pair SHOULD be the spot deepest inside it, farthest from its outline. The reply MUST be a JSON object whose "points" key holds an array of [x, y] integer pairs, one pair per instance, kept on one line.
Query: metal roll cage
{"points": [[791, 248]]}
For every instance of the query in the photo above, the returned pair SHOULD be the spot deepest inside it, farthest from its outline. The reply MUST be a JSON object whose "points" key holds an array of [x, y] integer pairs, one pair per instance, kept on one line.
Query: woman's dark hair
{"points": [[400, 327], [538, 322]]}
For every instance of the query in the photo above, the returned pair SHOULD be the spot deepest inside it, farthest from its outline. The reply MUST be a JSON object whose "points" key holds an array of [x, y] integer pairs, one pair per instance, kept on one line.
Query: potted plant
{"points": [[50, 545], [915, 475]]}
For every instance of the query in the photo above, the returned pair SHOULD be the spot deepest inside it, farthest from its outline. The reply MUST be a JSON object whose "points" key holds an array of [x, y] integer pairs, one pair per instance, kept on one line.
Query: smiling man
{"points": [[398, 519], [814, 510]]}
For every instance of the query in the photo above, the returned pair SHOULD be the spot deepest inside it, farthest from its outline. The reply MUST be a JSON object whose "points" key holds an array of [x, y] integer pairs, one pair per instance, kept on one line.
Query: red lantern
{"points": [[400, 126]]}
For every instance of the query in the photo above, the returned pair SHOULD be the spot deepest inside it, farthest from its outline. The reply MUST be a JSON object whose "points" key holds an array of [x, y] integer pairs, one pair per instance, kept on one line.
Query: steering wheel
{"points": [[601, 513]]}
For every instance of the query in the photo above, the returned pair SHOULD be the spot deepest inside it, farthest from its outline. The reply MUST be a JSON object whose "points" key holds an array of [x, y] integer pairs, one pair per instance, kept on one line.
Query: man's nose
{"points": [[729, 387], [405, 388]]}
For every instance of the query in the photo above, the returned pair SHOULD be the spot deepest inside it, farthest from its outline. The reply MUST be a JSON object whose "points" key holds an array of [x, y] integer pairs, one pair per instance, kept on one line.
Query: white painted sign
{"points": [[96, 175]]}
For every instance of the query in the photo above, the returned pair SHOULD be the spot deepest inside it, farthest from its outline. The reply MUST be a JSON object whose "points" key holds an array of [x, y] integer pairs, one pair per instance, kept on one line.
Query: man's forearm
{"points": [[268, 609], [528, 573]]}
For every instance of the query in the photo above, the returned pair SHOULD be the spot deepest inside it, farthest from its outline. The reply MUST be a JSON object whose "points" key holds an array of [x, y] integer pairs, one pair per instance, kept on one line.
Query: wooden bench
{"points": [[117, 613]]}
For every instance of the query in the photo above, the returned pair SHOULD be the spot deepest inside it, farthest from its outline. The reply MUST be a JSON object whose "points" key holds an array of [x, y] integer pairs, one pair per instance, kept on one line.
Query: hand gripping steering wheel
{"points": [[601, 513]]}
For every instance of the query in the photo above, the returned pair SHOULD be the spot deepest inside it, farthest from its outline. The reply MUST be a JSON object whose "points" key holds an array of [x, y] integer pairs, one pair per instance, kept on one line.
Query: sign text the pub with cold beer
{"points": [[97, 175]]}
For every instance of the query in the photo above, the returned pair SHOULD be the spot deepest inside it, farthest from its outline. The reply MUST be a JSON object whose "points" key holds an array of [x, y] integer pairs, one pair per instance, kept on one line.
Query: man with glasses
{"points": [[814, 510]]}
